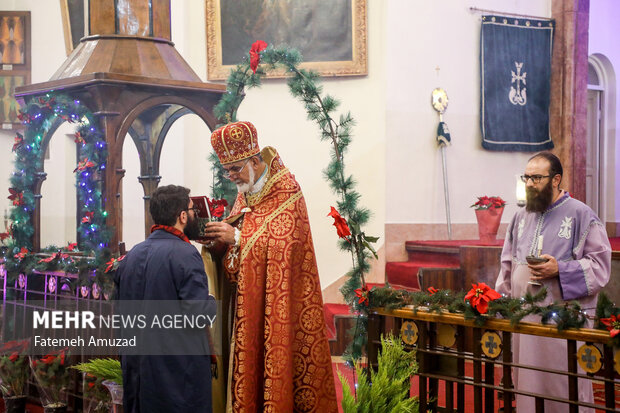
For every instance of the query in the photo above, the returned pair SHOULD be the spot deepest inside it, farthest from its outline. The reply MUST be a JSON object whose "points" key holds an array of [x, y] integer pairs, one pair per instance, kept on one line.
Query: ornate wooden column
{"points": [[569, 80]]}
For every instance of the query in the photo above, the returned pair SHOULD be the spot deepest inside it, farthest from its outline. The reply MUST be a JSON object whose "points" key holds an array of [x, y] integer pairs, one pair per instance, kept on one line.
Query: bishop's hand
{"points": [[220, 232]]}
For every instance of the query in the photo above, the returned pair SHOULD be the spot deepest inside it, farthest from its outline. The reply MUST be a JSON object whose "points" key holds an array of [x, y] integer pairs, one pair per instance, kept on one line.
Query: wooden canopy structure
{"points": [[128, 73]]}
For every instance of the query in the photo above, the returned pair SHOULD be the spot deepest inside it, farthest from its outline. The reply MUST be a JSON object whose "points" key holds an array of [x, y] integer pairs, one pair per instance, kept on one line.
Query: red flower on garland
{"points": [[19, 141], [84, 165], [340, 223], [613, 325], [16, 196], [57, 256], [480, 295], [24, 117], [432, 290], [7, 234], [22, 253], [113, 263], [362, 294], [72, 246], [79, 138], [88, 217], [257, 47]]}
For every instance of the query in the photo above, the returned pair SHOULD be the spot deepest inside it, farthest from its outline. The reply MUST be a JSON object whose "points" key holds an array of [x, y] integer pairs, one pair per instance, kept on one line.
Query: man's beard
{"points": [[247, 187], [192, 230], [538, 201]]}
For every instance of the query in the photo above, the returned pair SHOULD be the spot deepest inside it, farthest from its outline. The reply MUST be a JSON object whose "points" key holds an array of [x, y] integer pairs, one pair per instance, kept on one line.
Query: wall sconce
{"points": [[520, 191]]}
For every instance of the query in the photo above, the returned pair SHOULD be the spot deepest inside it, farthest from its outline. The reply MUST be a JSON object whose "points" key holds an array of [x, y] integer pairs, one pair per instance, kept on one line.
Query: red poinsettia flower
{"points": [[16, 196], [217, 207], [362, 294], [257, 47], [88, 217], [432, 290], [19, 141], [485, 202], [13, 357], [79, 138], [480, 295], [22, 253], [62, 357], [613, 325], [84, 164], [91, 384], [340, 223], [72, 246], [113, 263]]}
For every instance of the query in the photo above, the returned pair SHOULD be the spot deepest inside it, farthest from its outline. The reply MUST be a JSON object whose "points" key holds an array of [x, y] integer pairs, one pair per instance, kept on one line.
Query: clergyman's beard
{"points": [[539, 201], [192, 230], [247, 187]]}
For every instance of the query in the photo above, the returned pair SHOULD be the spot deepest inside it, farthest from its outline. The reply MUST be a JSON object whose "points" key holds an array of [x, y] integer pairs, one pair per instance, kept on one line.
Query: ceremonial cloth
{"points": [[515, 65], [281, 357], [576, 238]]}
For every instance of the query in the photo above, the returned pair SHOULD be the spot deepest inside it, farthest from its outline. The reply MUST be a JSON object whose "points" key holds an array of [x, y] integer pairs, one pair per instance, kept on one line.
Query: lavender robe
{"points": [[575, 236]]}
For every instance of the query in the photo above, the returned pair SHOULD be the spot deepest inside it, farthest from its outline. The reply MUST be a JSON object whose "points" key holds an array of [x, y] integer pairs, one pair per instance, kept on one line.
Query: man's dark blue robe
{"points": [[164, 267]]}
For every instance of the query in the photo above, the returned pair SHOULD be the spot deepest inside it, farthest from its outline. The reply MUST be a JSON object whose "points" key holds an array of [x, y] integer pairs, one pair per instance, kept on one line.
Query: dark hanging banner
{"points": [[515, 61]]}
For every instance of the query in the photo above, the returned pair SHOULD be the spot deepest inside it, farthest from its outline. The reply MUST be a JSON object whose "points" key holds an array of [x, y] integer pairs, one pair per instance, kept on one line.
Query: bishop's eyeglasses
{"points": [[235, 170], [535, 178]]}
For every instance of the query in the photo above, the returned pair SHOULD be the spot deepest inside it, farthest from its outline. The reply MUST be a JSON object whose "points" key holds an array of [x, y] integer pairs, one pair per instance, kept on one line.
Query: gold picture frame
{"points": [[73, 13], [330, 34]]}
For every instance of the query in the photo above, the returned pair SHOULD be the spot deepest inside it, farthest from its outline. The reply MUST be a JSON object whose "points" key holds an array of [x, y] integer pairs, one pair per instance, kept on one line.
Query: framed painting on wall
{"points": [[15, 40], [330, 34], [9, 108], [14, 63]]}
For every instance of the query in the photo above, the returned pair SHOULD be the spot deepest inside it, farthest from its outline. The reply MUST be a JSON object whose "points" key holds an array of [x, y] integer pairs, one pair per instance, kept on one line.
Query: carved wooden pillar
{"points": [[569, 79]]}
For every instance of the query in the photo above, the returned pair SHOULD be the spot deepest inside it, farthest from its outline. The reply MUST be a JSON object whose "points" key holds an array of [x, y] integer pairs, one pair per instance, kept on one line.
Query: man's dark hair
{"points": [[167, 202], [555, 166]]}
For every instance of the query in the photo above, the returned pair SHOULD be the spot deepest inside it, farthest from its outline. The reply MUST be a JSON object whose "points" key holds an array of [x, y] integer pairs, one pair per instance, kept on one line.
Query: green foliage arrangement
{"points": [[13, 368], [388, 389], [105, 369]]}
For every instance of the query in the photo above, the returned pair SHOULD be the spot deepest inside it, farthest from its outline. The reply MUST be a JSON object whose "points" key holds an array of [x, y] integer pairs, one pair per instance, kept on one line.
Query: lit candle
{"points": [[540, 244]]}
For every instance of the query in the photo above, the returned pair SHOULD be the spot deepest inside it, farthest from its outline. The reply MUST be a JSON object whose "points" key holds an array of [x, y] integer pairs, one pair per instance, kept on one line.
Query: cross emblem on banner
{"points": [[409, 332], [491, 344]]}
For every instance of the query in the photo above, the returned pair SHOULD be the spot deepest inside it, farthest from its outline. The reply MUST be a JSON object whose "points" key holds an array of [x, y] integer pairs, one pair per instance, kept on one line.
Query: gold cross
{"points": [[236, 133]]}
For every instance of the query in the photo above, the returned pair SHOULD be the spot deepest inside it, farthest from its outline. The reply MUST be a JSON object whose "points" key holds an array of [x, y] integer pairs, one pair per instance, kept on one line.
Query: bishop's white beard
{"points": [[247, 187]]}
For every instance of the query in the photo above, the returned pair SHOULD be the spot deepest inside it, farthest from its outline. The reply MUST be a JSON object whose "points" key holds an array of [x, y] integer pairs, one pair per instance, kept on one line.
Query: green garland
{"points": [[321, 109], [564, 315], [39, 116]]}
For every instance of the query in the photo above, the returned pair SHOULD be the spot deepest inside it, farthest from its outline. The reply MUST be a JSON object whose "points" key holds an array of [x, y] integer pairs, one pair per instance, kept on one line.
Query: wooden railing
{"points": [[446, 342]]}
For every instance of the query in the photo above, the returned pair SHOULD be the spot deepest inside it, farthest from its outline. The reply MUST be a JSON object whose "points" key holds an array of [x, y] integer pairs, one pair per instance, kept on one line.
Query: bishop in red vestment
{"points": [[280, 358]]}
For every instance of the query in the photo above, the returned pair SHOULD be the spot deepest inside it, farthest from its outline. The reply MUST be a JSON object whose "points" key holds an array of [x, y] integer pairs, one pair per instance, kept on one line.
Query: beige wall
{"points": [[448, 58]]}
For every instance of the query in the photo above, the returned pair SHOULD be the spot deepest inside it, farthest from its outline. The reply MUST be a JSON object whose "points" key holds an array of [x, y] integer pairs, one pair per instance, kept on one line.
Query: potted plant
{"points": [[388, 388], [14, 374], [52, 376], [489, 214], [99, 374]]}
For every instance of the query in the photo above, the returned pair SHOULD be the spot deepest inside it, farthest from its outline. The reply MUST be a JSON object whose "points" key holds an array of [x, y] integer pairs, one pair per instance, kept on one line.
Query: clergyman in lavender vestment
{"points": [[576, 237]]}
